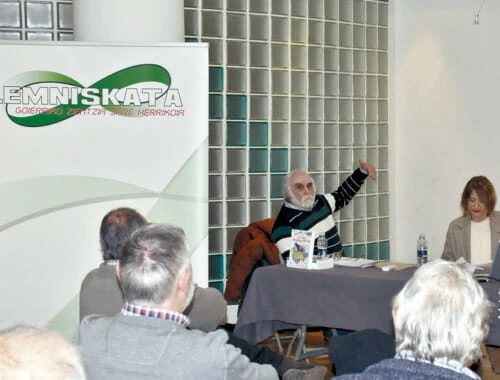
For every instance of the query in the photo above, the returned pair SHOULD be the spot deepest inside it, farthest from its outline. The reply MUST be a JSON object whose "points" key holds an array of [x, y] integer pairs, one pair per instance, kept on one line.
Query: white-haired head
{"points": [[300, 189], [28, 352], [442, 312]]}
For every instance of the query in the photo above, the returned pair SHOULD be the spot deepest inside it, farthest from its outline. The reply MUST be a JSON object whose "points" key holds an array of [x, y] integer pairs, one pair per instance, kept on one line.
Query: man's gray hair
{"points": [[28, 352], [442, 312], [151, 261]]}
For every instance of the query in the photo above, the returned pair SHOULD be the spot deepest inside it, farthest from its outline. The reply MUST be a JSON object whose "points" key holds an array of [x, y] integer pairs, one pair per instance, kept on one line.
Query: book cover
{"points": [[302, 249]]}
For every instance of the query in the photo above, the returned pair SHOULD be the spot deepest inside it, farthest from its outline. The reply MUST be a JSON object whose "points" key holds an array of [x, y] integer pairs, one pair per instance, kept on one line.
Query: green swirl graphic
{"points": [[129, 76]]}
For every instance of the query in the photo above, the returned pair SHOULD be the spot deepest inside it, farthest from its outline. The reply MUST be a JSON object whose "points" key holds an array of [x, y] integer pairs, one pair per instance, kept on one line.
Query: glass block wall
{"points": [[293, 84], [36, 20]]}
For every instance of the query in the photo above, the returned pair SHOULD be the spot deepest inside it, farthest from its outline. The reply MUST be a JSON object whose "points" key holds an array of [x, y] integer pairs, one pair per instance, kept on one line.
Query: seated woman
{"points": [[475, 235]]}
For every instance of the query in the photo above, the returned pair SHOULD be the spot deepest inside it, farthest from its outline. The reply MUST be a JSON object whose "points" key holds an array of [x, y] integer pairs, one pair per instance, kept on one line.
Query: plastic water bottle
{"points": [[322, 245], [421, 250]]}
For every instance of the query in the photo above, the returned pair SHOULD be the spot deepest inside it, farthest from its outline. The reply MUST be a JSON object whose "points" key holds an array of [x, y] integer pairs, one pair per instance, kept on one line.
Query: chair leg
{"points": [[302, 353], [278, 341], [296, 334], [301, 347]]}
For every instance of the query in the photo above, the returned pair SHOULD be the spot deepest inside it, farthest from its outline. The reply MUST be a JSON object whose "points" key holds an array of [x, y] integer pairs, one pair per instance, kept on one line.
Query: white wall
{"points": [[444, 114]]}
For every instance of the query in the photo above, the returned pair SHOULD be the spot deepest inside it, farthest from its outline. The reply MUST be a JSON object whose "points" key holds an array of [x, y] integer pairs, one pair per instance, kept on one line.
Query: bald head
{"points": [[300, 189]]}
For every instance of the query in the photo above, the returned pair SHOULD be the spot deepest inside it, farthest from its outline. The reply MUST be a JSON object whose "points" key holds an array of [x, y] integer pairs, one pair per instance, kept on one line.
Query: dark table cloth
{"points": [[346, 298]]}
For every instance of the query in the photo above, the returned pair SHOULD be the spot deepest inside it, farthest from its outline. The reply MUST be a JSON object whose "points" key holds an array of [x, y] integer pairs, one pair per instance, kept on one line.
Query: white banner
{"points": [[84, 129]]}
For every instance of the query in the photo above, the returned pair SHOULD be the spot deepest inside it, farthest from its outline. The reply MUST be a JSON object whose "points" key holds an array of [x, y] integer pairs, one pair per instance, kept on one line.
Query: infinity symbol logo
{"points": [[51, 97]]}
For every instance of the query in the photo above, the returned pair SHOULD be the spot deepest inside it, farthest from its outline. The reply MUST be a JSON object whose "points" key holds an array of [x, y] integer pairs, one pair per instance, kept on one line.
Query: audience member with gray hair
{"points": [[441, 318], [151, 264], [148, 339], [28, 352]]}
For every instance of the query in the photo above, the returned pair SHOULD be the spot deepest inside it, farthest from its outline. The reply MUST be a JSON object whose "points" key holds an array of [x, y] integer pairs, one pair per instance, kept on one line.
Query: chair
{"points": [[302, 352], [252, 249]]}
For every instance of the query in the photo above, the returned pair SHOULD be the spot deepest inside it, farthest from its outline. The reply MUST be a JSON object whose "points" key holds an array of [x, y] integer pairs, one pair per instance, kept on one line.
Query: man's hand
{"points": [[369, 168]]}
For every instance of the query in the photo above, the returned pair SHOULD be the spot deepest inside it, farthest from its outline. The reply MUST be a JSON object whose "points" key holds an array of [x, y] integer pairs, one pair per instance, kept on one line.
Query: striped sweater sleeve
{"points": [[348, 189]]}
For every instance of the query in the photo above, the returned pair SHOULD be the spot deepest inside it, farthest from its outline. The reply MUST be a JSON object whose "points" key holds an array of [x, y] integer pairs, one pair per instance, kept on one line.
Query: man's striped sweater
{"points": [[319, 218]]}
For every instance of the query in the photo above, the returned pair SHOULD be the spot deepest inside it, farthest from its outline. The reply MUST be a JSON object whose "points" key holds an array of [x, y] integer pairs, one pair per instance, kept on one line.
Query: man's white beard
{"points": [[307, 201]]}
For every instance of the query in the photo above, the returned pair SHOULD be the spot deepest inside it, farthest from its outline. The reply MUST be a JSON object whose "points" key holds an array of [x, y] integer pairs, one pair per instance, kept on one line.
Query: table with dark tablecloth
{"points": [[281, 298]]}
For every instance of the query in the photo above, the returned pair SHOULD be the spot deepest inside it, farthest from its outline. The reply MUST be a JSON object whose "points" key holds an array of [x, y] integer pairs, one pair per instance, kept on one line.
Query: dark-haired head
{"points": [[116, 227], [484, 191]]}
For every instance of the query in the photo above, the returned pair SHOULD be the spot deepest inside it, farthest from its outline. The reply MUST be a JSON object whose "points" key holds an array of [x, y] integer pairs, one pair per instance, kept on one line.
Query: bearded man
{"points": [[303, 209]]}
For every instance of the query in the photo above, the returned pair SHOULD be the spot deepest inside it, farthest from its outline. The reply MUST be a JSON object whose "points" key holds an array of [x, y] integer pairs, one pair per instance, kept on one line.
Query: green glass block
{"points": [[258, 134], [279, 160], [347, 250], [277, 185], [257, 161], [236, 134], [385, 250], [236, 107], [228, 262], [215, 267], [219, 285], [360, 251], [372, 251], [191, 39], [215, 79], [215, 106]]}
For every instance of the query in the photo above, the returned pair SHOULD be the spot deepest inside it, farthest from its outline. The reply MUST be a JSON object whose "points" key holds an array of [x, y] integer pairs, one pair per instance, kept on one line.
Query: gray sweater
{"points": [[131, 347]]}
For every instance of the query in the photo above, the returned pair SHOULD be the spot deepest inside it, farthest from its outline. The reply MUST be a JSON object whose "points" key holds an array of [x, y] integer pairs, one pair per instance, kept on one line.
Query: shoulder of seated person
{"points": [[459, 222], [93, 318]]}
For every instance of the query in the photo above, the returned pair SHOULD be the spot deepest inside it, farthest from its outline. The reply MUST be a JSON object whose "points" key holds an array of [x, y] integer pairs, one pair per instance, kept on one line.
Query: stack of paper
{"points": [[355, 262], [398, 265]]}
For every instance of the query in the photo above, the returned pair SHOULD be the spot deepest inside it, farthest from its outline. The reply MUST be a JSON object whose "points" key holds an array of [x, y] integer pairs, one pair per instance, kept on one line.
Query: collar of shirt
{"points": [[110, 262], [440, 362], [295, 207], [169, 315]]}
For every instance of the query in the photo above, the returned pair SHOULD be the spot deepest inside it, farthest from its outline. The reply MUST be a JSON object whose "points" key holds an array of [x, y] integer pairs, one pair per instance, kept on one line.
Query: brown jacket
{"points": [[251, 244]]}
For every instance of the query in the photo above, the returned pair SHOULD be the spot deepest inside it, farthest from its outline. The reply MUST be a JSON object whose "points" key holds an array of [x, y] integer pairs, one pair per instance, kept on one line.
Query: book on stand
{"points": [[302, 252]]}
